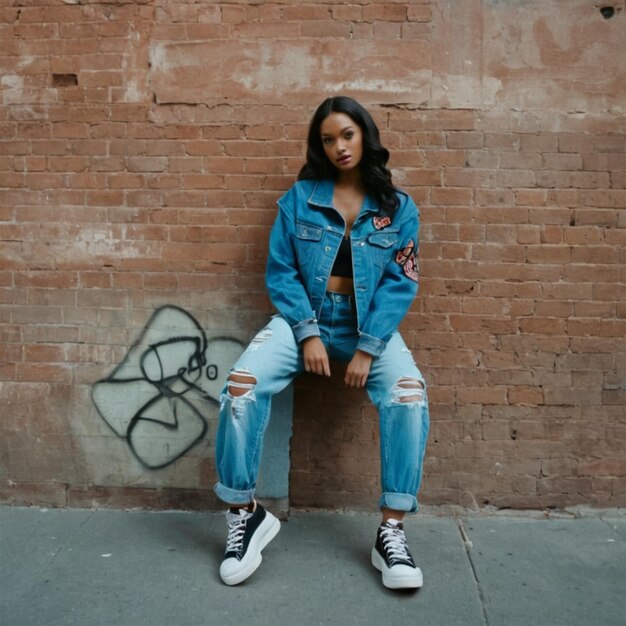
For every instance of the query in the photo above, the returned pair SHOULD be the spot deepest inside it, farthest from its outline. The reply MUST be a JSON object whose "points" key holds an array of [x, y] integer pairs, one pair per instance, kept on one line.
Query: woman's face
{"points": [[342, 140]]}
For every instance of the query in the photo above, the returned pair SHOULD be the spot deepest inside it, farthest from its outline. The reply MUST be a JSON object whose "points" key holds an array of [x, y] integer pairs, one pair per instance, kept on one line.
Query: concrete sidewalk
{"points": [[135, 568]]}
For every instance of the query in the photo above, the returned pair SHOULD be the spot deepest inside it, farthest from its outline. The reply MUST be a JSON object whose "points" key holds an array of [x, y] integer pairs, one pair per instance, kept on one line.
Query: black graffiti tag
{"points": [[158, 397]]}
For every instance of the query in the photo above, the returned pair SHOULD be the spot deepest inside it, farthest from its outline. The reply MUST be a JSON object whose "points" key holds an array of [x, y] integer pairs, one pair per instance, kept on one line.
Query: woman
{"points": [[342, 272]]}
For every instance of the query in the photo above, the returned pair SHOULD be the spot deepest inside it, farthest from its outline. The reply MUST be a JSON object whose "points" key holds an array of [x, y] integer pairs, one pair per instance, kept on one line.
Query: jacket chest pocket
{"points": [[381, 246], [308, 242]]}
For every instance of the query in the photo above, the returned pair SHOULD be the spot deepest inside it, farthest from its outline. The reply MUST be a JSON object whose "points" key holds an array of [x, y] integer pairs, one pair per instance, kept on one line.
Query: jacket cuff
{"points": [[306, 328], [371, 345]]}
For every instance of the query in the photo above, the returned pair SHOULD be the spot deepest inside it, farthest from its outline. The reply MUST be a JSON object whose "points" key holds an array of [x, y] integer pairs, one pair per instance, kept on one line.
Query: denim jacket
{"points": [[304, 242]]}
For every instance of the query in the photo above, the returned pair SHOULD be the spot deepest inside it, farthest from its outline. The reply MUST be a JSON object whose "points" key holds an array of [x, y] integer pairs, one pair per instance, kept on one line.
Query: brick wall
{"points": [[143, 146]]}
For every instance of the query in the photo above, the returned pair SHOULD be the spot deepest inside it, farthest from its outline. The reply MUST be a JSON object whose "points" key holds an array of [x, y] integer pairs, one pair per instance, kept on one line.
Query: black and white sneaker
{"points": [[391, 556], [248, 534]]}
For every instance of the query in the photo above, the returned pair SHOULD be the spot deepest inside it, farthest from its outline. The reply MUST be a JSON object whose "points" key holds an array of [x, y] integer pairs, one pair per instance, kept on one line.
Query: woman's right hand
{"points": [[315, 356]]}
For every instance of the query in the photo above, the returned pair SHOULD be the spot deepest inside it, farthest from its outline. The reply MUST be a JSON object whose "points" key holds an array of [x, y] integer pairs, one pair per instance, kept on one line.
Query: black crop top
{"points": [[343, 260]]}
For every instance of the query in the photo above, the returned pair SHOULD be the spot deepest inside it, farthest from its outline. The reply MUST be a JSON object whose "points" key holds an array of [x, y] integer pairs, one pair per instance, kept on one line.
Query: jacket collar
{"points": [[322, 196]]}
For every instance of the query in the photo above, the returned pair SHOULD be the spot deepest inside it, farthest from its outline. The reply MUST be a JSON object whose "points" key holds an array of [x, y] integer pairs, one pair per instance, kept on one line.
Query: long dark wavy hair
{"points": [[376, 177]]}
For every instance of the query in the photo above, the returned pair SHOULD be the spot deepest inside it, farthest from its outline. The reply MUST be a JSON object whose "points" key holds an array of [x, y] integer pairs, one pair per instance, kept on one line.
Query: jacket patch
{"points": [[381, 222], [407, 259]]}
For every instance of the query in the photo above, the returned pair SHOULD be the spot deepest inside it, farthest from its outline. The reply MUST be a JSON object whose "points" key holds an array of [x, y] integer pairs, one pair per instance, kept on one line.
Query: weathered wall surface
{"points": [[142, 148]]}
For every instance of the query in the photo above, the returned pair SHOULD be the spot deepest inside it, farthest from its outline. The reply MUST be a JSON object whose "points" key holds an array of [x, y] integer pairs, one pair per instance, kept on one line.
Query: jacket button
{"points": [[362, 243], [327, 249]]}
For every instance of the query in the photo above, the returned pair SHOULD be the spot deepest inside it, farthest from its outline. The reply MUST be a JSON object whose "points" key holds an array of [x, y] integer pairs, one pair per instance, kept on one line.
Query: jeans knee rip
{"points": [[239, 379], [408, 391]]}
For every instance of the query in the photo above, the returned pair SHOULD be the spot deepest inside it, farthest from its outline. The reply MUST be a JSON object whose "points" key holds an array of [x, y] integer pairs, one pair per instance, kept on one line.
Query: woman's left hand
{"points": [[358, 369]]}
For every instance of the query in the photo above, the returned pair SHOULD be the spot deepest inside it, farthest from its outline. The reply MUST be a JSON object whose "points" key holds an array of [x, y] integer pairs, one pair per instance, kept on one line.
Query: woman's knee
{"points": [[240, 382]]}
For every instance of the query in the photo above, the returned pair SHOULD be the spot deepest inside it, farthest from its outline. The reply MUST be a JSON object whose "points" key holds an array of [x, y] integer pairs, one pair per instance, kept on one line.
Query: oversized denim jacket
{"points": [[304, 242]]}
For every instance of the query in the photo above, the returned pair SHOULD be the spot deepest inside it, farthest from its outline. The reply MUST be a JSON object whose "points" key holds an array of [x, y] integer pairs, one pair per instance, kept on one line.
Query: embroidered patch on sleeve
{"points": [[407, 259], [381, 222]]}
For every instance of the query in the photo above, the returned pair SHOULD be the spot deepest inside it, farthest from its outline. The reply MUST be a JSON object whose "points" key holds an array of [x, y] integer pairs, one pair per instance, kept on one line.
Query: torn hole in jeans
{"points": [[240, 383], [408, 390]]}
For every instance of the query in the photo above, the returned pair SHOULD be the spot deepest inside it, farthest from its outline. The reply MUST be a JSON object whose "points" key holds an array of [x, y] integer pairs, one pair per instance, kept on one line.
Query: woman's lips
{"points": [[344, 159]]}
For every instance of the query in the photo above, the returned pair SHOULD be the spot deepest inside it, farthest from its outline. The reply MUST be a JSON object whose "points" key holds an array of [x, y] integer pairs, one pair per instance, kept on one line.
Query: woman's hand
{"points": [[358, 369], [315, 356]]}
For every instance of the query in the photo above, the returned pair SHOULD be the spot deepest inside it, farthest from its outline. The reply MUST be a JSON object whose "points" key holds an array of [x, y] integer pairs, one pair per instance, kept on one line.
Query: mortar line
{"points": [[467, 544]]}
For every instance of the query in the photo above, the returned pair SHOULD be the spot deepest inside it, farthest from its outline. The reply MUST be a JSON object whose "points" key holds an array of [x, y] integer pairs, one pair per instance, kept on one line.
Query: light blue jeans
{"points": [[274, 358]]}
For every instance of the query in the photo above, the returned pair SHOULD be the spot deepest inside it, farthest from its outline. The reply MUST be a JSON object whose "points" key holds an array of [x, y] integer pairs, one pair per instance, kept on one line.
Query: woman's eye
{"points": [[349, 135], [327, 141]]}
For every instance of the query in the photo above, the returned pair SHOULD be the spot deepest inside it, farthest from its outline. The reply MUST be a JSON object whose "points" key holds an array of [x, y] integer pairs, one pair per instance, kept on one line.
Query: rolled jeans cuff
{"points": [[398, 502], [305, 329], [371, 345], [233, 496]]}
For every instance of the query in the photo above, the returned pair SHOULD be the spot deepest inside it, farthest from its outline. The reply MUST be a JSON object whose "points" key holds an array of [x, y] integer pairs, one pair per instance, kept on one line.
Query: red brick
{"points": [[569, 290], [147, 164], [89, 147], [419, 13], [595, 254], [43, 372], [562, 161], [45, 353], [35, 130], [11, 179], [585, 180], [544, 142], [603, 162], [596, 328], [497, 252], [492, 395], [554, 308], [584, 235], [44, 181], [605, 198], [501, 141], [273, 30], [153, 280], [185, 164], [16, 147], [423, 177], [53, 279], [125, 181], [577, 143], [68, 164], [388, 30], [348, 12], [609, 143], [101, 280], [550, 216], [170, 32], [520, 161], [548, 254], [542, 326], [49, 148], [121, 280], [595, 309], [317, 29]]}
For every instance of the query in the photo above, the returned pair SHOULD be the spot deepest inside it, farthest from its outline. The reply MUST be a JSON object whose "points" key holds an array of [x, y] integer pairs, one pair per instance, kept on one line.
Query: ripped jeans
{"points": [[273, 359]]}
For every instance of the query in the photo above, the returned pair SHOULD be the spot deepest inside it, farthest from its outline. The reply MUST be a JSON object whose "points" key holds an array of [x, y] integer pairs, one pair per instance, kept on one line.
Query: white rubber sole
{"points": [[400, 577], [248, 565]]}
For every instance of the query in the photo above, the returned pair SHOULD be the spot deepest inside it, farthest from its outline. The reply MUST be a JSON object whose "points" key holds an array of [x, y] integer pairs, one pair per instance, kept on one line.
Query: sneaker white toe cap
{"points": [[233, 571], [403, 577]]}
